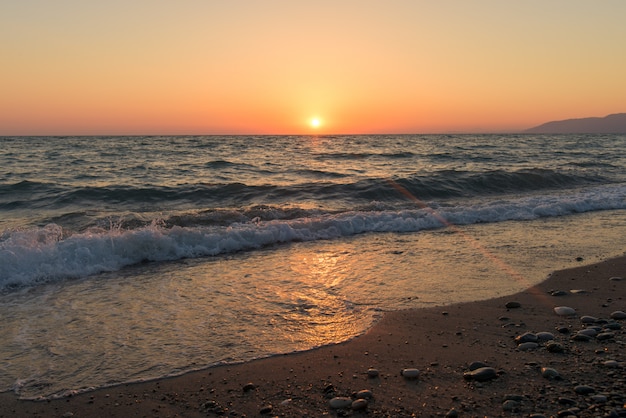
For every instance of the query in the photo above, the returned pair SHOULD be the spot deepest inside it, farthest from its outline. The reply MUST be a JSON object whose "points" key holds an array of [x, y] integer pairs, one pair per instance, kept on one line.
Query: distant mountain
{"points": [[611, 124]]}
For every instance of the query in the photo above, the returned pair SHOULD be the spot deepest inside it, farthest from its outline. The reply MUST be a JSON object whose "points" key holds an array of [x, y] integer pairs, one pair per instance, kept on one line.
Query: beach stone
{"points": [[564, 311], [605, 336], [550, 373], [513, 305], [566, 401], [510, 405], [545, 336], [611, 364], [616, 279], [555, 347], [359, 404], [579, 291], [513, 397], [563, 330], [267, 409], [364, 394], [586, 319], [599, 398], [410, 373], [618, 315], [572, 412], [453, 413], [340, 402], [558, 293], [592, 332], [581, 337], [584, 389], [477, 365], [248, 387], [526, 337], [372, 373], [482, 374], [527, 346], [613, 326]]}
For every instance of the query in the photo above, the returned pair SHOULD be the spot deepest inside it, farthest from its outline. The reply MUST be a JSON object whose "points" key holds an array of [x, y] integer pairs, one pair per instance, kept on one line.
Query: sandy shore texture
{"points": [[441, 343]]}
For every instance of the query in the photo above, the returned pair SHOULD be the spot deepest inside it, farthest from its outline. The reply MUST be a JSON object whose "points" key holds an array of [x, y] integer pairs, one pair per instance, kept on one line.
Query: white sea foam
{"points": [[39, 255]]}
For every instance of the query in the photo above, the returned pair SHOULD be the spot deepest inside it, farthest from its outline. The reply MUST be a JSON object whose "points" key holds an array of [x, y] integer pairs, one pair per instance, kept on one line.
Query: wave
{"points": [[319, 187], [39, 255]]}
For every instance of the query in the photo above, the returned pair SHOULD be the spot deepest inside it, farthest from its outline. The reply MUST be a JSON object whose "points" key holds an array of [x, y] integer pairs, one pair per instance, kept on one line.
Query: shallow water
{"points": [[159, 319]]}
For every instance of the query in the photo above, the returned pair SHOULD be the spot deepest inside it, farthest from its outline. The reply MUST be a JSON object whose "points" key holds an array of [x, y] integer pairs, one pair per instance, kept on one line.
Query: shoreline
{"points": [[440, 342]]}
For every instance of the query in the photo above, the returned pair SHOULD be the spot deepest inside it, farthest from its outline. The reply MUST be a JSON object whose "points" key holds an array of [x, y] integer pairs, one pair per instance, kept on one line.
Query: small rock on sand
{"points": [[339, 402], [359, 404], [618, 315], [564, 311], [410, 373], [481, 375]]}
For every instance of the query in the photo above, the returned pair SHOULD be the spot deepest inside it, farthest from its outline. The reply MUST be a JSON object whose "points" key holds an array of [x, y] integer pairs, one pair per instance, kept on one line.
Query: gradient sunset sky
{"points": [[270, 67]]}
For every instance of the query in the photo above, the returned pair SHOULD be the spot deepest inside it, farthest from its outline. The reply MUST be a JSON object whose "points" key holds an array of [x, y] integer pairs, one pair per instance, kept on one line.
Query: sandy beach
{"points": [[569, 375]]}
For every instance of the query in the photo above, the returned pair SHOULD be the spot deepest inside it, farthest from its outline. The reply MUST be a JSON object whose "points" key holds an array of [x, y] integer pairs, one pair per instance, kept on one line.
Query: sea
{"points": [[131, 258]]}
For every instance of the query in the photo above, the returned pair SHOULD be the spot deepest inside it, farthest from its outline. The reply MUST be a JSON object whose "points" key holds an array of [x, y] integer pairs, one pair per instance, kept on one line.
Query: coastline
{"points": [[440, 342]]}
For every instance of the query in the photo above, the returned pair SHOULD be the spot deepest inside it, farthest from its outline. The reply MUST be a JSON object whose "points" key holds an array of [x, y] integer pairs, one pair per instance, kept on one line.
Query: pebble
{"points": [[477, 365], [364, 394], [372, 373], [613, 325], [563, 330], [586, 319], [453, 413], [481, 375], [616, 279], [581, 337], [526, 337], [527, 346], [410, 373], [564, 311], [592, 332], [339, 402], [267, 409], [359, 404], [618, 315], [611, 364], [555, 347], [578, 291], [605, 336], [510, 405], [558, 293], [584, 389], [513, 305], [248, 387], [545, 336], [550, 373], [599, 398]]}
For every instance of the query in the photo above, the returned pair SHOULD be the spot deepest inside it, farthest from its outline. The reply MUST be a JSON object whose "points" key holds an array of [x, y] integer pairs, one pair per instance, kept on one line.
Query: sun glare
{"points": [[315, 123]]}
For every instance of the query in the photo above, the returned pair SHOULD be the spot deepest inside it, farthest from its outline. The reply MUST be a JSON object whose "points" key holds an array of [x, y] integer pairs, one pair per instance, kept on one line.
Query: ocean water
{"points": [[132, 258]]}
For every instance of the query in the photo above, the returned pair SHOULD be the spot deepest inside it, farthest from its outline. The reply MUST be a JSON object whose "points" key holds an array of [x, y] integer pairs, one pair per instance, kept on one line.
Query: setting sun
{"points": [[315, 123]]}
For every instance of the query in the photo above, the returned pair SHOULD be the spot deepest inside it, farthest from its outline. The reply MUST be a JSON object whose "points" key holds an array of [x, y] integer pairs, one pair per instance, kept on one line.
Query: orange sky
{"points": [[270, 67]]}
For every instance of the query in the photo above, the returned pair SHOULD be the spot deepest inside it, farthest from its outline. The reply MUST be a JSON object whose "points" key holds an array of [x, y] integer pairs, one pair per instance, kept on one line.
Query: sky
{"points": [[273, 67]]}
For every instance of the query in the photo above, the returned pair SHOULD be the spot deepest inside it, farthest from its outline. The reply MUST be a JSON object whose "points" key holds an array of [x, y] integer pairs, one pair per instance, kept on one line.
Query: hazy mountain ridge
{"points": [[615, 123]]}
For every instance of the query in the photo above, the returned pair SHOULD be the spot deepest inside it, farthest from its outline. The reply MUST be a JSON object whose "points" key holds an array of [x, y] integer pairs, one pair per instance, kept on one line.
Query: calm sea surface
{"points": [[131, 258]]}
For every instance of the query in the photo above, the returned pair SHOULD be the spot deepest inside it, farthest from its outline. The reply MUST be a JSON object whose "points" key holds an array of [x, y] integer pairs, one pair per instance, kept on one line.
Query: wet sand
{"points": [[440, 342]]}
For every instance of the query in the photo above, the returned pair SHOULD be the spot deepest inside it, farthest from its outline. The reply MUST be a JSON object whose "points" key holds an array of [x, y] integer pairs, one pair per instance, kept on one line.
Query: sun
{"points": [[315, 123]]}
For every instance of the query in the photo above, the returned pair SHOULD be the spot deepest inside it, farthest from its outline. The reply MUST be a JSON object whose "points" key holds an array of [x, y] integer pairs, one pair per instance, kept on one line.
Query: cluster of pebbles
{"points": [[599, 401], [595, 389]]}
